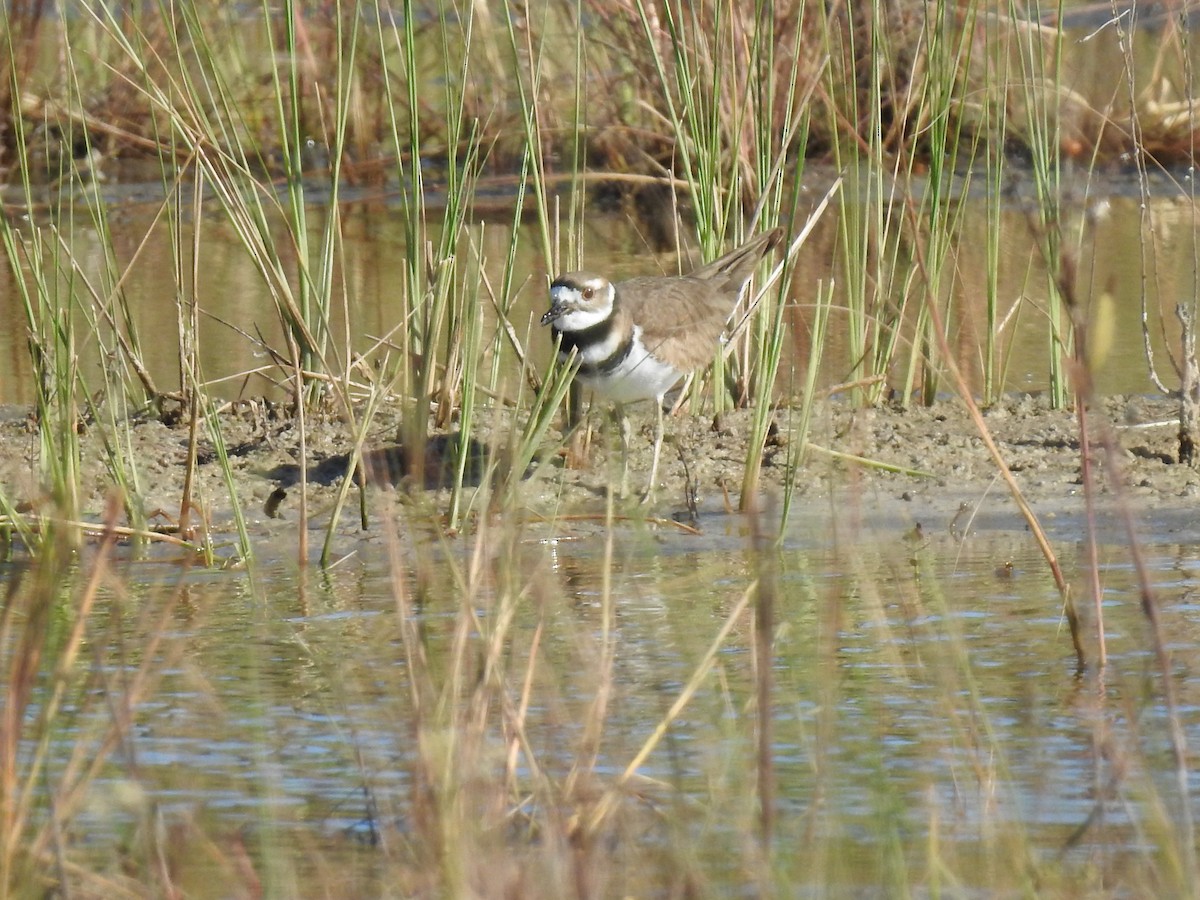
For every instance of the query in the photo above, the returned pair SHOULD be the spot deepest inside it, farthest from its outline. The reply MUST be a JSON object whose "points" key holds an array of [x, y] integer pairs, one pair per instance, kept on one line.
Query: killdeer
{"points": [[636, 339]]}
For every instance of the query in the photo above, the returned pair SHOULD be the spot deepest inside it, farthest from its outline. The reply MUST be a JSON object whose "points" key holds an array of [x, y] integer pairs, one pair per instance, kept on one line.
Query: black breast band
{"points": [[597, 334]]}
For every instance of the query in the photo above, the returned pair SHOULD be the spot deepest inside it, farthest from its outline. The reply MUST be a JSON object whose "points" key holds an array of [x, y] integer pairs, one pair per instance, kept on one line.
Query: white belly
{"points": [[639, 376]]}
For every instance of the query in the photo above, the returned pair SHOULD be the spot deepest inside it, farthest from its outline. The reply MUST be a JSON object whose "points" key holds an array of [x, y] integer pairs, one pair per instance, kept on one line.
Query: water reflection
{"points": [[1141, 250], [918, 685]]}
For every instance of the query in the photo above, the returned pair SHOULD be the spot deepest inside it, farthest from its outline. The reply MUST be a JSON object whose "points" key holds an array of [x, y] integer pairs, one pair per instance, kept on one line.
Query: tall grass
{"points": [[64, 672], [1042, 126], [723, 104], [770, 347], [271, 118], [522, 714], [52, 347], [509, 723], [736, 87], [894, 94], [952, 156], [801, 415]]}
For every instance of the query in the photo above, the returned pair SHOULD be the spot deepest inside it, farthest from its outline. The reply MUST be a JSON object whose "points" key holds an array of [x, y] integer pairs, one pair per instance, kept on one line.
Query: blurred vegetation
{"points": [[857, 67]]}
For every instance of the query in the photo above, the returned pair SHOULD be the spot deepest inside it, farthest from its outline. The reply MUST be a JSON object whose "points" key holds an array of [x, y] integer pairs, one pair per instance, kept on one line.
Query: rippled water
{"points": [[930, 730], [924, 690]]}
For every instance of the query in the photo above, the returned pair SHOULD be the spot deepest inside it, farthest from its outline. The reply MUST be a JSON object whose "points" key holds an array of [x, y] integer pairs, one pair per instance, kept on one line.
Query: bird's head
{"points": [[579, 300]]}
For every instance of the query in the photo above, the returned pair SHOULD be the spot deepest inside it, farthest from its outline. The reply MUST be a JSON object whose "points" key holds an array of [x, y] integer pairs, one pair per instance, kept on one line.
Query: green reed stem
{"points": [[1042, 118], [471, 330], [379, 394], [52, 344], [767, 369], [528, 88], [530, 442], [951, 153], [800, 427], [212, 418]]}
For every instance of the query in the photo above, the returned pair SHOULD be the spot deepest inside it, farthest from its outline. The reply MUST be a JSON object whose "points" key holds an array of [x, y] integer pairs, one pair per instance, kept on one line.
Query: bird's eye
{"points": [[588, 292]]}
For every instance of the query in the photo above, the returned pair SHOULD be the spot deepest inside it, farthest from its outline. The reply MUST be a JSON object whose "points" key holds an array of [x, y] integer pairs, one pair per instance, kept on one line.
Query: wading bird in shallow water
{"points": [[636, 339]]}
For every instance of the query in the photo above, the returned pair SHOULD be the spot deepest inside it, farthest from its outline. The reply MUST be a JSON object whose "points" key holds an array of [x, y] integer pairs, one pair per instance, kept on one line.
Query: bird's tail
{"points": [[736, 265]]}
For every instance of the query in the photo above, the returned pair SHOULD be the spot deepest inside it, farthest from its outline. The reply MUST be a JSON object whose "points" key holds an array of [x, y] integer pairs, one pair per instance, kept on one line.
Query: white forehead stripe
{"points": [[561, 293]]}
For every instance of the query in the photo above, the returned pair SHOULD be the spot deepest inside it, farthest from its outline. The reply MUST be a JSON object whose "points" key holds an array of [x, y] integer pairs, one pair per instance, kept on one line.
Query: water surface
{"points": [[924, 689], [1138, 251]]}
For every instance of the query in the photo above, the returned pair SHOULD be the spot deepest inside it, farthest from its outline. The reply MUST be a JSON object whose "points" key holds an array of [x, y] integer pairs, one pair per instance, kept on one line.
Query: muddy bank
{"points": [[941, 475]]}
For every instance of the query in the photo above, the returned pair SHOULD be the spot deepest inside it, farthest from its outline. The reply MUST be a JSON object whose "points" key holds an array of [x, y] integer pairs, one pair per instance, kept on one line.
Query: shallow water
{"points": [[924, 689], [930, 729], [928, 720], [1131, 250]]}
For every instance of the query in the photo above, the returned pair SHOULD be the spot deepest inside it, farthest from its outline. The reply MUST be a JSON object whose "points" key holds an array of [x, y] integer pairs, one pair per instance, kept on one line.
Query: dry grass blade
{"points": [[1027, 513], [605, 806], [777, 271]]}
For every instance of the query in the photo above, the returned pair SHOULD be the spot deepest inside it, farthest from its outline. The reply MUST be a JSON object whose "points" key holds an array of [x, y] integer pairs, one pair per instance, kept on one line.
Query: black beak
{"points": [[555, 312]]}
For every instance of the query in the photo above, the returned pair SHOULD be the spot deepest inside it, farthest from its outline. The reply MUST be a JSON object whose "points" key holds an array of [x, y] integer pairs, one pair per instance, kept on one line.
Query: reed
{"points": [[738, 96], [1041, 111], [58, 657], [800, 416], [52, 347], [737, 108], [529, 444], [767, 368], [994, 118], [546, 747], [187, 305], [510, 723], [630, 122], [952, 155]]}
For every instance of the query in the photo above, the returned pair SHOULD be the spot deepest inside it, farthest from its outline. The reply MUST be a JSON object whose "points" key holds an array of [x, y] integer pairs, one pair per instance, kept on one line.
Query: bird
{"points": [[636, 339]]}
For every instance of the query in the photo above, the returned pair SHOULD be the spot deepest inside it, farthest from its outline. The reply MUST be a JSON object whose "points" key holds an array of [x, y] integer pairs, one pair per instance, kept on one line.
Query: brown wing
{"points": [[681, 318]]}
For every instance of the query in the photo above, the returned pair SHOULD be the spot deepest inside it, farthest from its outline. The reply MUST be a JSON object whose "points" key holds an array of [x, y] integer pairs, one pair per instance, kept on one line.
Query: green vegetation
{"points": [[259, 122]]}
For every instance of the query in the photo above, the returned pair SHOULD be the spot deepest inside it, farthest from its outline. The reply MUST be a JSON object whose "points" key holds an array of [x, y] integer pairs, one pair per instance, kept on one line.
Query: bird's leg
{"points": [[658, 442], [579, 429], [626, 436], [574, 411]]}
